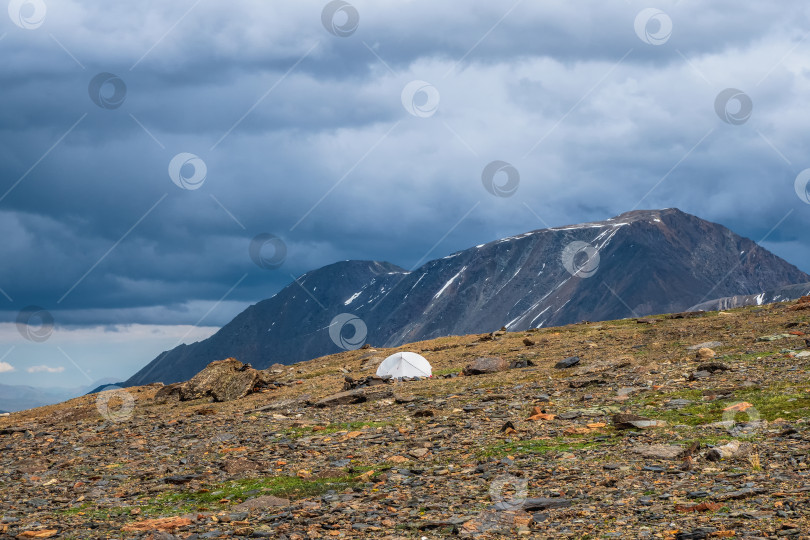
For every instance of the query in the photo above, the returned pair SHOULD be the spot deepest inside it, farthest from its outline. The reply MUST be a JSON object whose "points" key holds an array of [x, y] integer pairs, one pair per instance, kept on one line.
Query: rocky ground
{"points": [[679, 427]]}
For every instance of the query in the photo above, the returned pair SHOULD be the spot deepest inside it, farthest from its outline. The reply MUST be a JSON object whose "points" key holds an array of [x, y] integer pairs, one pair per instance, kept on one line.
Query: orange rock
{"points": [[702, 507], [577, 431], [538, 414], [160, 524], [46, 533], [739, 407]]}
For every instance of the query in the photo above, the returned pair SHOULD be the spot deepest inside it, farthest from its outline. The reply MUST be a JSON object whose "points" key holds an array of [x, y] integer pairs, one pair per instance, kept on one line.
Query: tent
{"points": [[404, 364]]}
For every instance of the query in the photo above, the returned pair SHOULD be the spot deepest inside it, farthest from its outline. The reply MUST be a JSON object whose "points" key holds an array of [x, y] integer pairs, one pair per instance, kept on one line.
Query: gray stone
{"points": [[658, 451], [571, 361], [485, 365], [706, 345], [343, 398], [631, 421]]}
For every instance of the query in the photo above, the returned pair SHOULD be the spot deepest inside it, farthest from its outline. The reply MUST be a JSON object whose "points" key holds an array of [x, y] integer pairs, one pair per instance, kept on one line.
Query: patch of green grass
{"points": [[221, 496], [776, 401], [445, 371], [288, 487], [540, 446], [753, 356]]}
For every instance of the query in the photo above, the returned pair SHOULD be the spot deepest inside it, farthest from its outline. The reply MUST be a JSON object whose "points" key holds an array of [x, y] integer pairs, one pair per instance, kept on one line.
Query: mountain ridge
{"points": [[637, 263]]}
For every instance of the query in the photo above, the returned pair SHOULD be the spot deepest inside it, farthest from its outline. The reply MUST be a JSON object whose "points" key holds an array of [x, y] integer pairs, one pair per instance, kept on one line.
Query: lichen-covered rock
{"points": [[223, 380]]}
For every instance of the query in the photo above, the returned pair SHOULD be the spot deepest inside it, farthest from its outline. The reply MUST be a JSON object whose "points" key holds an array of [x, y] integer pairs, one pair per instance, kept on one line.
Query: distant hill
{"points": [[101, 387], [20, 397], [780, 294], [639, 263]]}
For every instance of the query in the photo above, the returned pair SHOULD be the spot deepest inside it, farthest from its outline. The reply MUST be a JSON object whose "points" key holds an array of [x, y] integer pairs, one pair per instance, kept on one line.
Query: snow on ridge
{"points": [[417, 281], [513, 321], [452, 279], [596, 225], [538, 316]]}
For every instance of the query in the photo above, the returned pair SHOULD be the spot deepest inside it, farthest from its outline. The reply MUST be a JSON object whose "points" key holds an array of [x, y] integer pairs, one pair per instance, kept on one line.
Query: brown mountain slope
{"points": [[449, 456]]}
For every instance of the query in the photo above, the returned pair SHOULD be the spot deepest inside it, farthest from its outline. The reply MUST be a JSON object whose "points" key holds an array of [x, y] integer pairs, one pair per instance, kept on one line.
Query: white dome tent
{"points": [[405, 364]]}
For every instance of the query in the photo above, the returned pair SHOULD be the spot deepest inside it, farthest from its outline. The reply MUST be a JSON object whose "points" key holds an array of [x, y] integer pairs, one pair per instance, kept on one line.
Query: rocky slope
{"points": [[720, 449], [636, 264]]}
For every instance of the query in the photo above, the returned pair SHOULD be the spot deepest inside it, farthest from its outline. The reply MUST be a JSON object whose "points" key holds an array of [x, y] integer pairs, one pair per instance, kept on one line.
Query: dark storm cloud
{"points": [[304, 136]]}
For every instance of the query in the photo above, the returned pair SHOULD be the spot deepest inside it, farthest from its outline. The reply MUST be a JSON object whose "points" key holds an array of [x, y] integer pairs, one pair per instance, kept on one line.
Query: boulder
{"points": [[342, 398], [571, 361], [658, 451], [223, 380], [732, 450], [711, 367], [632, 421], [484, 365], [350, 383]]}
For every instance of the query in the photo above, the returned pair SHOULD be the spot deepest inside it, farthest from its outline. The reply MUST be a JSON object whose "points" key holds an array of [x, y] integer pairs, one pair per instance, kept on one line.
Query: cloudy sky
{"points": [[145, 145]]}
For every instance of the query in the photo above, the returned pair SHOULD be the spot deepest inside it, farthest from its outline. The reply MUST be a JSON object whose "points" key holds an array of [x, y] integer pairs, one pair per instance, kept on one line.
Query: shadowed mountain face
{"points": [[635, 264]]}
